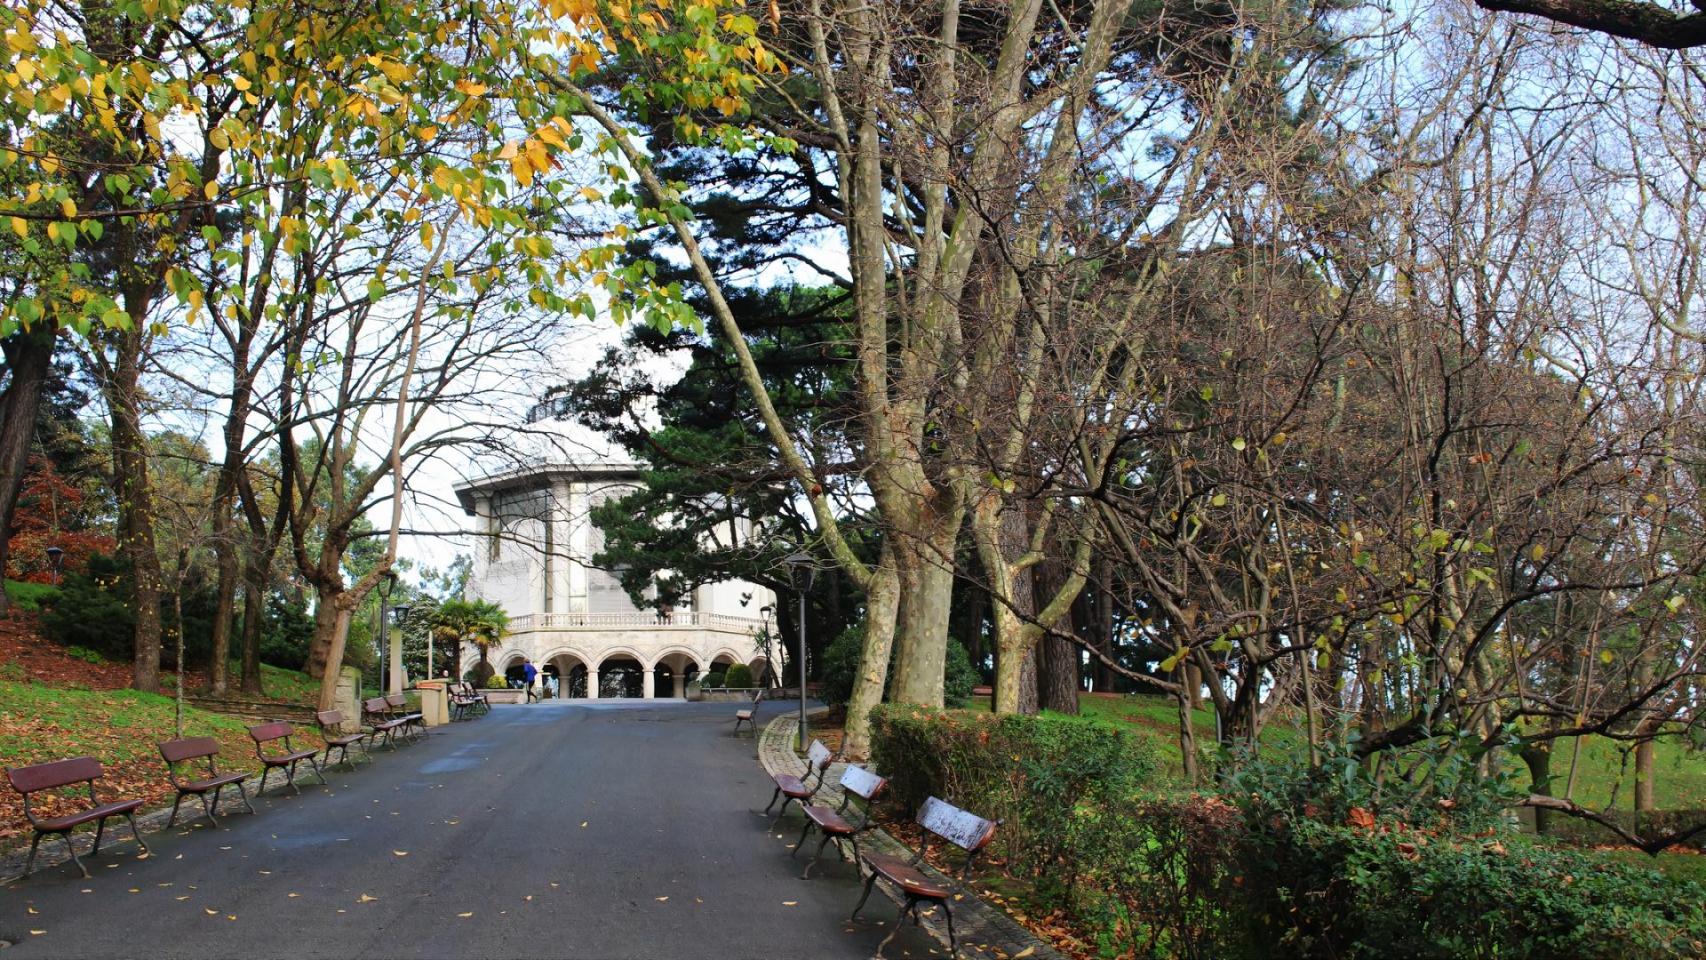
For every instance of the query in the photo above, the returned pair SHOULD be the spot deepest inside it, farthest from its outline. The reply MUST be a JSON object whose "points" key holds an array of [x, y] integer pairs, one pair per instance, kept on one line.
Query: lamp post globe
{"points": [[55, 556]]}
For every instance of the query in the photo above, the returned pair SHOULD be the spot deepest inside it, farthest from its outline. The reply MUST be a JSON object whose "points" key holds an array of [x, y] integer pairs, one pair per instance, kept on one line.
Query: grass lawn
{"points": [[39, 723]]}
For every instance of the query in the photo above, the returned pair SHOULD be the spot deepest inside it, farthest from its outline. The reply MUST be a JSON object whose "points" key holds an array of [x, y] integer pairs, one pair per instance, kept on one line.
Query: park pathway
{"points": [[607, 830]]}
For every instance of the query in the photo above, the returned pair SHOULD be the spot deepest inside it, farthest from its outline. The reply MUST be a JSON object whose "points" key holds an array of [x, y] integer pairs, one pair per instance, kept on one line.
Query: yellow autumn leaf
{"points": [[20, 226], [366, 898], [466, 915], [211, 189], [68, 208]]}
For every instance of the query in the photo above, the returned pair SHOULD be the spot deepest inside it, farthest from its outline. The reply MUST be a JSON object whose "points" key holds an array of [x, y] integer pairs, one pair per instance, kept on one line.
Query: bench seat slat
{"points": [[287, 758], [792, 786], [906, 876], [223, 780], [93, 813], [829, 821]]}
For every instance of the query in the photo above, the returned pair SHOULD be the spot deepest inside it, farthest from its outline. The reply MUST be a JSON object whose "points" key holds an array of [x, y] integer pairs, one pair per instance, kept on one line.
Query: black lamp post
{"points": [[387, 583], [55, 556], [800, 575]]}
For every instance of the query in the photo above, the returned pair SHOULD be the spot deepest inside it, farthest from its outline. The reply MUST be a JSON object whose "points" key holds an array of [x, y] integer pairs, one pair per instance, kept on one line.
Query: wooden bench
{"points": [[466, 702], [791, 788], [186, 751], [399, 705], [273, 732], [832, 822], [382, 722], [939, 819], [64, 773], [331, 723], [745, 714]]}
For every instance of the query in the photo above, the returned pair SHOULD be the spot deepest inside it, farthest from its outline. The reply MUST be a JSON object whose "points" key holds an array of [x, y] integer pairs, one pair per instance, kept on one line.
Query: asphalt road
{"points": [[553, 830]]}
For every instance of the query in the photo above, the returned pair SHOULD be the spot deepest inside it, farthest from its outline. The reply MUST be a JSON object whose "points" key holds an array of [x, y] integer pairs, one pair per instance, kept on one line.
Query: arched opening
{"points": [[761, 676], [718, 670], [620, 676], [671, 674], [565, 677]]}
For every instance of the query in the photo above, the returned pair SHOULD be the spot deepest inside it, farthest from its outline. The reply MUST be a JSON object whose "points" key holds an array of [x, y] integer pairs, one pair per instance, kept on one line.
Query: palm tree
{"points": [[479, 621]]}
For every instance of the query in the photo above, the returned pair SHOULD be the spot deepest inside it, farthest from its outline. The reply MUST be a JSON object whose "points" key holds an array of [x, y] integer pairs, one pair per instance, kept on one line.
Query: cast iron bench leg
{"points": [[245, 795], [30, 865], [100, 828], [174, 817], [131, 818], [870, 882], [212, 807]]}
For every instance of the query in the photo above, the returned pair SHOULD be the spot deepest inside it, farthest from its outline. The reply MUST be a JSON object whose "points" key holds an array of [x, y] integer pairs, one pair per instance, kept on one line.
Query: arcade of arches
{"points": [[623, 674]]}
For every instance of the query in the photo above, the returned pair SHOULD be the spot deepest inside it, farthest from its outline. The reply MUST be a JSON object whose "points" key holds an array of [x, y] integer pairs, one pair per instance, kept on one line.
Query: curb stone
{"points": [[984, 931]]}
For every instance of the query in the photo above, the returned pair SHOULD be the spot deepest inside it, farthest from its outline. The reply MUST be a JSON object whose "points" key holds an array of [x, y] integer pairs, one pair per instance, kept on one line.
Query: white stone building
{"points": [[574, 621]]}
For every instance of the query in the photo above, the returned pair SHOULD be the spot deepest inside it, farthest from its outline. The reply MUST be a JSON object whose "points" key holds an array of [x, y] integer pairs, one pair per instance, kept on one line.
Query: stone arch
{"points": [[759, 665], [567, 670], [621, 671], [672, 668], [667, 652]]}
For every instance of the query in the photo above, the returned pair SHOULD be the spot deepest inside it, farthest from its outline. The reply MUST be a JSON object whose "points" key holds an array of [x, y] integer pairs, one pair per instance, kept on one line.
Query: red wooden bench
{"points": [[465, 703], [275, 731], [832, 822], [399, 706], [745, 714], [791, 788], [939, 819], [331, 723], [64, 773], [186, 751], [382, 722]]}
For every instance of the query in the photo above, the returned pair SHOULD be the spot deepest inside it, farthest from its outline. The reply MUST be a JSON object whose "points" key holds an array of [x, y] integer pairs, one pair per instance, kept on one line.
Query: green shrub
{"points": [[497, 681], [93, 610], [85, 654], [1032, 773], [714, 679], [739, 675]]}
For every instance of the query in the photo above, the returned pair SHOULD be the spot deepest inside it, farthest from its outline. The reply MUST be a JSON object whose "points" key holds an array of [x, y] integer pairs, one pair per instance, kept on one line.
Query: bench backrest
{"points": [[397, 701], [189, 748], [968, 831], [865, 784], [57, 773], [276, 730], [818, 757], [330, 719]]}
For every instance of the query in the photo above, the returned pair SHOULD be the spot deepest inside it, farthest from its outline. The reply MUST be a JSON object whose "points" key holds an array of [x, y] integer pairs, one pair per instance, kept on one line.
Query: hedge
{"points": [[1247, 875]]}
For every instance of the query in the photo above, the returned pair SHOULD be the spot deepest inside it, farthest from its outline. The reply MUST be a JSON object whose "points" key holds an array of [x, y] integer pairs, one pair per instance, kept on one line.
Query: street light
{"points": [[801, 571], [387, 583], [55, 556]]}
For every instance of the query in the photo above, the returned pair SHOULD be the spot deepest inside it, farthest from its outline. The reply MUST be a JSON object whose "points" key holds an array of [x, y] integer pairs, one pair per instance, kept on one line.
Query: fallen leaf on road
{"points": [[1025, 952], [135, 889], [364, 898], [182, 899], [37, 933], [553, 884], [790, 903], [584, 823], [34, 911], [210, 911], [266, 873], [466, 915], [231, 916], [662, 899], [528, 898], [399, 853], [293, 894]]}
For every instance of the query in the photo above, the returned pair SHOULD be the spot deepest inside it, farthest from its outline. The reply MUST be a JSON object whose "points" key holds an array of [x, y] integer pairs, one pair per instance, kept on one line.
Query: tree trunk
{"points": [[882, 602], [136, 504], [1057, 675], [29, 361], [254, 623], [1538, 756], [924, 559], [326, 629], [225, 603]]}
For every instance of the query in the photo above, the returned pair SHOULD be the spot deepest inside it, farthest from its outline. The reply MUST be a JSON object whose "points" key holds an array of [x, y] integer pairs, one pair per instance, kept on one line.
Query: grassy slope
{"points": [[39, 723]]}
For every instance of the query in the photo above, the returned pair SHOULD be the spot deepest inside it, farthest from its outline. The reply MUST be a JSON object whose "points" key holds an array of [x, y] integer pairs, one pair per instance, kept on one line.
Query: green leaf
{"points": [[375, 290]]}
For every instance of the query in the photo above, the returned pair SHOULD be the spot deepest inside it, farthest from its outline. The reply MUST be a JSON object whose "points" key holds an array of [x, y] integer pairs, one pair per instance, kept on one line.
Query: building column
{"points": [[648, 683], [591, 683], [680, 679]]}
